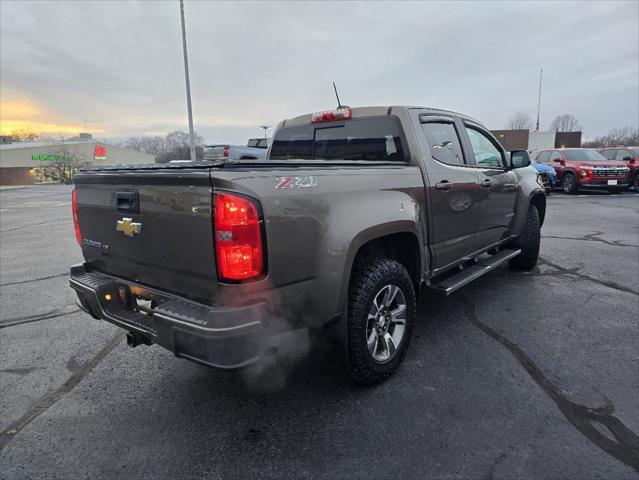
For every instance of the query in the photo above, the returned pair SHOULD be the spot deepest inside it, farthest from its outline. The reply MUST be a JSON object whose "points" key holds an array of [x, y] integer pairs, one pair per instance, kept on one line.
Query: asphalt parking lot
{"points": [[518, 375]]}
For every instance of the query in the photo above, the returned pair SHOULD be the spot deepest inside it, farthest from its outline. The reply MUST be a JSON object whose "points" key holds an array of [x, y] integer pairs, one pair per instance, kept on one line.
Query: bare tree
{"points": [[520, 121], [565, 123], [154, 145], [65, 160], [627, 136], [24, 135]]}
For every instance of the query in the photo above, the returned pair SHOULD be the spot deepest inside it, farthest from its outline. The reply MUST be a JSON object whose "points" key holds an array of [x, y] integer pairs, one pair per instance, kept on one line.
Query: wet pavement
{"points": [[518, 375]]}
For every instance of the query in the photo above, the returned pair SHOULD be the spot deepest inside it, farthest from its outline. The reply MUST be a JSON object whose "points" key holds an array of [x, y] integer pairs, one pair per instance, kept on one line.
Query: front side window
{"points": [[443, 143], [623, 154], [555, 155], [487, 155]]}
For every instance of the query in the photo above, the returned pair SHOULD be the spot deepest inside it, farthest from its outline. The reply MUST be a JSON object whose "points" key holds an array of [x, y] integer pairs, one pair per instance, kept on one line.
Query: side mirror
{"points": [[519, 158], [627, 158], [557, 159]]}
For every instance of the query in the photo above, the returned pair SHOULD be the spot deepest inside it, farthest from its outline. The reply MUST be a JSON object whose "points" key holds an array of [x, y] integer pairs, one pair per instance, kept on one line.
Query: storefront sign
{"points": [[48, 157], [99, 152]]}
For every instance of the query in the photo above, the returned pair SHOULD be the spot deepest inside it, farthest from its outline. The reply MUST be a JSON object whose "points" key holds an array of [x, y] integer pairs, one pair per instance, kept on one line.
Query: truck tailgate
{"points": [[165, 241]]}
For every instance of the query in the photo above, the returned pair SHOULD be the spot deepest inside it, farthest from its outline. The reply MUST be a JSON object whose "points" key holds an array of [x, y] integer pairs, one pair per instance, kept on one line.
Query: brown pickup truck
{"points": [[352, 214]]}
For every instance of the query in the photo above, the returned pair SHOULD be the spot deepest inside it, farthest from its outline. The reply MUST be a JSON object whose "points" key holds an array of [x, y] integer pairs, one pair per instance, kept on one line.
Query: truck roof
{"points": [[375, 111]]}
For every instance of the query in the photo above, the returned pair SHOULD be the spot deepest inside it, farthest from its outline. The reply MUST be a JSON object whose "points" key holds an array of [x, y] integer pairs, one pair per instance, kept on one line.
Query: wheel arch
{"points": [[539, 202]]}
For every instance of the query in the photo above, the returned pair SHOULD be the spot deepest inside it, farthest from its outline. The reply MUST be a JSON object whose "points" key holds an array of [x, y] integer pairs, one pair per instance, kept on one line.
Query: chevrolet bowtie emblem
{"points": [[128, 227]]}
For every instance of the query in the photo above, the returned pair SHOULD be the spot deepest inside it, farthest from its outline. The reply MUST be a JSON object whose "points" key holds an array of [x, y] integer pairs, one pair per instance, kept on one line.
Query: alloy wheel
{"points": [[386, 323]]}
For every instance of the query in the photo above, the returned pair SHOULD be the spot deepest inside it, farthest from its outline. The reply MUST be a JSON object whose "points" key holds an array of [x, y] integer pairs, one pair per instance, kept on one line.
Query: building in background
{"points": [[26, 163], [541, 140], [527, 140], [512, 139]]}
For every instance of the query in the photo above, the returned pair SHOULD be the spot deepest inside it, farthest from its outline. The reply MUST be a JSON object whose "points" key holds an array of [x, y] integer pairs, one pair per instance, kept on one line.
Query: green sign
{"points": [[48, 157]]}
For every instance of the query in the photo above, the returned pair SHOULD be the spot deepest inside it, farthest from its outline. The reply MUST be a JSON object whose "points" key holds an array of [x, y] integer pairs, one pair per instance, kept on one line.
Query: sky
{"points": [[118, 66]]}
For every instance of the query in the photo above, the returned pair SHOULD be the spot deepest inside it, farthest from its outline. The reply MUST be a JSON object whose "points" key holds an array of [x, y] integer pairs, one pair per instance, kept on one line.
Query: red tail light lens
{"points": [[76, 220], [238, 238], [226, 151], [332, 115]]}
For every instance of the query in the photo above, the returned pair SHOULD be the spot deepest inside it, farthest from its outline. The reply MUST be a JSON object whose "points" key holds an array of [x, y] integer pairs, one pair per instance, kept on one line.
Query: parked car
{"points": [[254, 150], [583, 168], [628, 155], [547, 175], [353, 214]]}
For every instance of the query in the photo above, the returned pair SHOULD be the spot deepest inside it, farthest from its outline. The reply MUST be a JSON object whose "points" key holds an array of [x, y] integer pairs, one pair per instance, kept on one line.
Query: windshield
{"points": [[584, 156]]}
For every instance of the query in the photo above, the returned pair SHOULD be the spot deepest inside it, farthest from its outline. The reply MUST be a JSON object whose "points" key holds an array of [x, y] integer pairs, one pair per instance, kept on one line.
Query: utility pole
{"points": [[541, 72], [188, 84], [265, 128]]}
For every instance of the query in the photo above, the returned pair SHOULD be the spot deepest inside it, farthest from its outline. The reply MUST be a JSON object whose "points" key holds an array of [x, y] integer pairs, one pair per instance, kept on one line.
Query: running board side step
{"points": [[467, 275]]}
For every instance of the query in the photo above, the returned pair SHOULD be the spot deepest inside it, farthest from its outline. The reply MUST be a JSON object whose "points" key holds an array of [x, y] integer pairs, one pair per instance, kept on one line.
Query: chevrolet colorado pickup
{"points": [[582, 168], [351, 215]]}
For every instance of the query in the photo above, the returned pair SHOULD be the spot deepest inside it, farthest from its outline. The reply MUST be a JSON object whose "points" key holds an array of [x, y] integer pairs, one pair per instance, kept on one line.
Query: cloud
{"points": [[119, 64]]}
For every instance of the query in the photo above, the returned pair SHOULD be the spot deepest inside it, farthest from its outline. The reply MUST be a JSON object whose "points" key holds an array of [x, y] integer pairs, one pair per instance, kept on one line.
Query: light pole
{"points": [[265, 128], [188, 84], [541, 72]]}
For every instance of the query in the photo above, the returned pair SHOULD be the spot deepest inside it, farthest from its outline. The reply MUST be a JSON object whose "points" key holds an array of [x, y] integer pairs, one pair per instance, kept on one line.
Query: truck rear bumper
{"points": [[221, 337]]}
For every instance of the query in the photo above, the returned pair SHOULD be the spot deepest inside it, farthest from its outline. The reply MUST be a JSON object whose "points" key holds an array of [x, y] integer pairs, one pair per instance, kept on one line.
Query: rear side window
{"points": [[609, 154], [443, 143], [365, 139]]}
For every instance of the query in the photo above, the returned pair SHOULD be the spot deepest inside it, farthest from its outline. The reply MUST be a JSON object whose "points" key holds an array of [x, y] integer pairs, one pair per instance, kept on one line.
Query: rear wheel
{"points": [[569, 183], [381, 313], [635, 182], [528, 242]]}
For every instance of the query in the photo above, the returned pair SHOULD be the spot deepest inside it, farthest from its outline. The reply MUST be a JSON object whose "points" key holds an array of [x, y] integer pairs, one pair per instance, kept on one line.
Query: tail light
{"points": [[332, 115], [226, 151], [76, 220], [239, 250]]}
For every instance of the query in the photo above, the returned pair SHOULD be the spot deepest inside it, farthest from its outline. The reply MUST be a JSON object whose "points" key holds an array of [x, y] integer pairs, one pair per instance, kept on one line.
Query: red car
{"points": [[628, 155], [582, 168]]}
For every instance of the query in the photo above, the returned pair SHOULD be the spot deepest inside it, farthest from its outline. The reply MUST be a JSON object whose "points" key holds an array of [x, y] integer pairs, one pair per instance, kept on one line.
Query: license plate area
{"points": [[612, 182]]}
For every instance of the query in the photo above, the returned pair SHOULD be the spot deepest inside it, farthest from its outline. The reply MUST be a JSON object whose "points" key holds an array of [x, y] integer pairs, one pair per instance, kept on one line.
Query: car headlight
{"points": [[540, 182]]}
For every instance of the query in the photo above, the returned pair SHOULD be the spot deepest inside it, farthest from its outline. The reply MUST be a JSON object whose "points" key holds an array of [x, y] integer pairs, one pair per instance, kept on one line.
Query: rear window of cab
{"points": [[374, 139]]}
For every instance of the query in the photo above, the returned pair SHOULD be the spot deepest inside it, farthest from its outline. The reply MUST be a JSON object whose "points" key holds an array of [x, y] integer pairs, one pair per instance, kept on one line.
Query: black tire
{"points": [[569, 183], [369, 278], [528, 242], [635, 182]]}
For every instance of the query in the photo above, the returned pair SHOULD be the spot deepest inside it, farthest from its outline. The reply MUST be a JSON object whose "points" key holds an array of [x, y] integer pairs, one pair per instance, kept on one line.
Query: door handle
{"points": [[443, 185], [487, 183]]}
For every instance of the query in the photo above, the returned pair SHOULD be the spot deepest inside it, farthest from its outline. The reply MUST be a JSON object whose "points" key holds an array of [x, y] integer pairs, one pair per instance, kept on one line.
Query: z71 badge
{"points": [[295, 182]]}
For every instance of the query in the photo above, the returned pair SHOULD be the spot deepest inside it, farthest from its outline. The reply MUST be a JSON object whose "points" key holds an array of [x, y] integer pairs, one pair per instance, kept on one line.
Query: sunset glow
{"points": [[20, 114]]}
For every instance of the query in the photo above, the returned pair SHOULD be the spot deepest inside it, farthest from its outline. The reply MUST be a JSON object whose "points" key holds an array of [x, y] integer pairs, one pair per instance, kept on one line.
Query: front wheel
{"points": [[569, 183], [528, 242], [635, 182], [381, 313]]}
